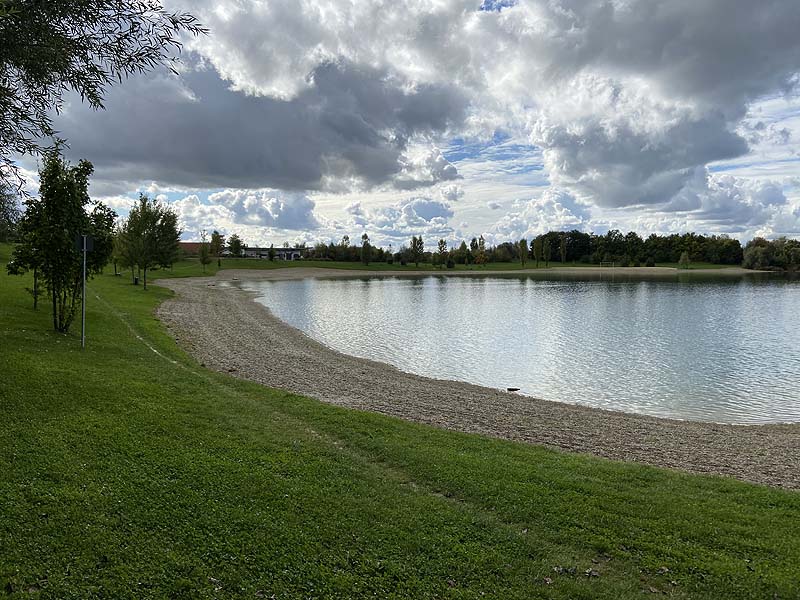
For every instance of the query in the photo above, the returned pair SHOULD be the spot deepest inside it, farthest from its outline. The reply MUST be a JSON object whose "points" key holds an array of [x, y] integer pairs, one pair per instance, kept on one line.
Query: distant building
{"points": [[190, 248], [280, 253]]}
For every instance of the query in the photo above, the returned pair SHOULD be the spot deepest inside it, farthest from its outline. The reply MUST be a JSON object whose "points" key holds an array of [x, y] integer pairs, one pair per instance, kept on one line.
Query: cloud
{"points": [[260, 213], [626, 101], [411, 216], [451, 192], [425, 169], [494, 205], [350, 128], [728, 201], [268, 208], [554, 210]]}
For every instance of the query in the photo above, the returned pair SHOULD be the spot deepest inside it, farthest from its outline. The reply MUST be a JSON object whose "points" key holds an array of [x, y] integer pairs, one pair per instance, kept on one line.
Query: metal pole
{"points": [[83, 299]]}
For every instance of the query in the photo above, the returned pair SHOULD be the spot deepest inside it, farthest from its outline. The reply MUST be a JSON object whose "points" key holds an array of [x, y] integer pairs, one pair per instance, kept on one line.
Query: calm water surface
{"points": [[724, 350]]}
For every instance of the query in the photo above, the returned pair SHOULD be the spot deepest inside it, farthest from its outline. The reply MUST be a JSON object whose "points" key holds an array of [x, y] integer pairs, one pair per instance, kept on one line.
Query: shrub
{"points": [[651, 262], [451, 264]]}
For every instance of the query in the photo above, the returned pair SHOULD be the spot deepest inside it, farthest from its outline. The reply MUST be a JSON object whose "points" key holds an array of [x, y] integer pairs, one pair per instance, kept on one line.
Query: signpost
{"points": [[85, 244]]}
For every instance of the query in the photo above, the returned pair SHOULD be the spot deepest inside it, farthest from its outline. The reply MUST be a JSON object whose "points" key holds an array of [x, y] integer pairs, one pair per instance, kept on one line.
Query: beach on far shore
{"points": [[221, 326]]}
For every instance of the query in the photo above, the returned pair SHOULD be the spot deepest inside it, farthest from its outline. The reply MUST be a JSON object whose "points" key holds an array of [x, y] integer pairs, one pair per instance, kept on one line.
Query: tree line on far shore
{"points": [[564, 247]]}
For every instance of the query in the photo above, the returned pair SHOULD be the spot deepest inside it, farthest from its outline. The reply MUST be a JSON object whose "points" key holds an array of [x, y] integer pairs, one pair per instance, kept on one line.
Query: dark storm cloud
{"points": [[351, 123]]}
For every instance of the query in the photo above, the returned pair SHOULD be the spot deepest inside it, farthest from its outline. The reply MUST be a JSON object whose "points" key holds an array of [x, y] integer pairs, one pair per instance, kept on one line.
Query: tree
{"points": [[9, 213], [235, 246], [683, 262], [563, 248], [523, 252], [481, 258], [50, 228], [205, 250], [462, 253], [546, 252], [442, 251], [49, 48], [417, 249], [366, 249], [149, 237], [537, 250], [217, 245]]}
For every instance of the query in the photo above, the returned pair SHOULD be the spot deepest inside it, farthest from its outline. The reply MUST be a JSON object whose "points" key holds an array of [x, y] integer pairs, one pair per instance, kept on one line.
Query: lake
{"points": [[721, 349]]}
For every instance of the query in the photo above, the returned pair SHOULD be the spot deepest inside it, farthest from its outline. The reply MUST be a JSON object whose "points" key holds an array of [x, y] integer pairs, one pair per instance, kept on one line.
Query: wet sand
{"points": [[225, 329]]}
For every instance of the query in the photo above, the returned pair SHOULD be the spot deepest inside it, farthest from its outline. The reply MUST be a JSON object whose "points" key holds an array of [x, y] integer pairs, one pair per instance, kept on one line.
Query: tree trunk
{"points": [[145, 278], [55, 310]]}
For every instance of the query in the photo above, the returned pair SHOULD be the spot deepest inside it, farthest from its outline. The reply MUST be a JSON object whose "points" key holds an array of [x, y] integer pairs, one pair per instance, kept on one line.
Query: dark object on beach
{"points": [[512, 389]]}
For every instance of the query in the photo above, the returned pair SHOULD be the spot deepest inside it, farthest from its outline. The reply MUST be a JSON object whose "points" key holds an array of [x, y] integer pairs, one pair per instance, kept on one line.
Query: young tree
{"points": [[205, 250], [148, 237], [442, 251], [52, 224], [271, 252], [683, 262], [523, 252], [366, 249], [546, 252], [537, 249], [235, 246], [563, 248], [417, 249], [462, 254], [481, 258], [217, 246], [49, 48]]}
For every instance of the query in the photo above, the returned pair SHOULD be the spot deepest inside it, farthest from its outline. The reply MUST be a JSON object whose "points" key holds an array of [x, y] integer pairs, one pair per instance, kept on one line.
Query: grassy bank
{"points": [[129, 471], [191, 267]]}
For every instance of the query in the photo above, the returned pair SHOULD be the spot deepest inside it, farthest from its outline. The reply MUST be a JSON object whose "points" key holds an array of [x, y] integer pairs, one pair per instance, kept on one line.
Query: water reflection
{"points": [[714, 348]]}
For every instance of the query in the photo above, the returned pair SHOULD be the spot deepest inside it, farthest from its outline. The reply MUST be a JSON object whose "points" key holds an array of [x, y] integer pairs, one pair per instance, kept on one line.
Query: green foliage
{"points": [[366, 249], [683, 262], [547, 252], [481, 258], [217, 244], [48, 232], [780, 254], [235, 246], [523, 252], [205, 250], [563, 248], [537, 250], [149, 237], [170, 480], [417, 250], [271, 252], [441, 251], [48, 48], [9, 213]]}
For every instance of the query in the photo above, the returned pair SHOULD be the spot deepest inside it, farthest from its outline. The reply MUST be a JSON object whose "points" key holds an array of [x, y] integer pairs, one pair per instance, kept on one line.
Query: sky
{"points": [[307, 120]]}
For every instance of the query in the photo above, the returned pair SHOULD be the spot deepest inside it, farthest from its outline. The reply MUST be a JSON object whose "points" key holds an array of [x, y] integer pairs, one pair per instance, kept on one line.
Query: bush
{"points": [[451, 264], [403, 262], [389, 260], [650, 262], [683, 262]]}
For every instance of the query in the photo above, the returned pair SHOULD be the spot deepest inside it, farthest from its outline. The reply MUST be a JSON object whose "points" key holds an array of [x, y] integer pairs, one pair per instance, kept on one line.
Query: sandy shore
{"points": [[226, 330]]}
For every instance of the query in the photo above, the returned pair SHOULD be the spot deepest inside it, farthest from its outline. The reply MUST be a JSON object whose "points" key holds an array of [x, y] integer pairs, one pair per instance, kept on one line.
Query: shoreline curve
{"points": [[223, 327]]}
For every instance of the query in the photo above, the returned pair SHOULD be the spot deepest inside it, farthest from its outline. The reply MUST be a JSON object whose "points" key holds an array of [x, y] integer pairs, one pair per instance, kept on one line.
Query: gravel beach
{"points": [[223, 328]]}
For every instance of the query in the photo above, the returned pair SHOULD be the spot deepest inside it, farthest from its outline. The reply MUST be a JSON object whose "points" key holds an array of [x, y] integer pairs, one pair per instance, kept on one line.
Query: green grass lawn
{"points": [[128, 471]]}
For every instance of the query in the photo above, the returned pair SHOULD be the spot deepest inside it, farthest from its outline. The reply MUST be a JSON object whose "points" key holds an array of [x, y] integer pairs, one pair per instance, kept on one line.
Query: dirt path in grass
{"points": [[221, 326]]}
